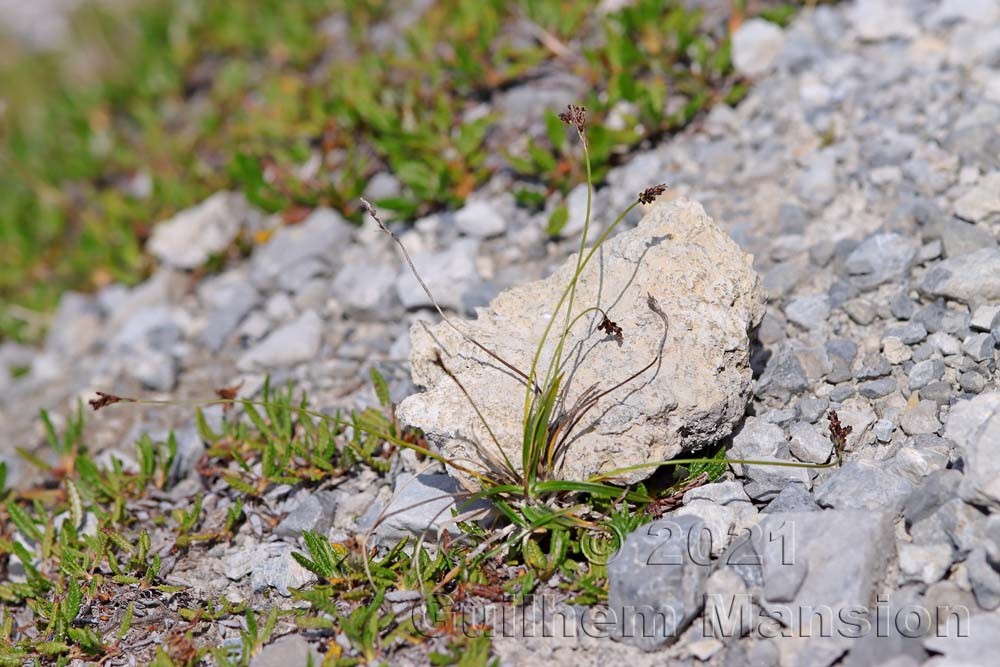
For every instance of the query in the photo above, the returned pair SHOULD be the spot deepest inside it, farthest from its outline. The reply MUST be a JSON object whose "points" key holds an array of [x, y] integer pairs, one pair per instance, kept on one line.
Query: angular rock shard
{"points": [[712, 299]]}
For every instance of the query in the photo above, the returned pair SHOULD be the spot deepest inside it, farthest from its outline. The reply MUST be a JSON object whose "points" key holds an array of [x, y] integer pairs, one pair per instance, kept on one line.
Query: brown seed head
{"points": [[838, 433], [103, 400], [611, 328], [649, 195], [575, 116]]}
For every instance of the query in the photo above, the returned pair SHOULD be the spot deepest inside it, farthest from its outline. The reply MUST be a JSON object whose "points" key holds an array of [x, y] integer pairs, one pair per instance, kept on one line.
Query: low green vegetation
{"points": [[82, 558], [298, 104]]}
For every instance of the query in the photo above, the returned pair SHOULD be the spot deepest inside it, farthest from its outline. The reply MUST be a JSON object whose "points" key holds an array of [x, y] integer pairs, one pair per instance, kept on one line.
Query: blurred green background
{"points": [[149, 106]]}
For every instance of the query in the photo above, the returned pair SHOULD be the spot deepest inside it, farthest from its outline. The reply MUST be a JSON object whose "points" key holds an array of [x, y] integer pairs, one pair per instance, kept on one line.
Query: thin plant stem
{"points": [[565, 294], [416, 274]]}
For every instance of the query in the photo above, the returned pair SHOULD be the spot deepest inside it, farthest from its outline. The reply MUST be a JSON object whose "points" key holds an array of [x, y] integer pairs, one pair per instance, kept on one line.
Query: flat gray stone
{"points": [[811, 409], [909, 333], [945, 343], [873, 366], [153, 370], [801, 571], [966, 640], [879, 20], [422, 506], [961, 238], [982, 201], [275, 569], [288, 651], [972, 279], [920, 419], [809, 444], [984, 578], [974, 426], [229, 306], [365, 285], [317, 240], [294, 343], [862, 485], [985, 318], [877, 388], [972, 382], [656, 581], [792, 498], [930, 494], [979, 346], [783, 376], [884, 429], [450, 275], [924, 563], [314, 512], [925, 372], [881, 258], [809, 312], [817, 183]]}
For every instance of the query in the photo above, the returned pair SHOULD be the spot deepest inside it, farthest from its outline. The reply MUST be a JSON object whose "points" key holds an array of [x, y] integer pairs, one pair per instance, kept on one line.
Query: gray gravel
{"points": [[862, 172]]}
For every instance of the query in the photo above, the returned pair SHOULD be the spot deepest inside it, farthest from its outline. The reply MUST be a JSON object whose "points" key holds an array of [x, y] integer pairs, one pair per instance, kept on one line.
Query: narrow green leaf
{"points": [[204, 430], [75, 504], [557, 221], [381, 387], [23, 521], [126, 621], [50, 431]]}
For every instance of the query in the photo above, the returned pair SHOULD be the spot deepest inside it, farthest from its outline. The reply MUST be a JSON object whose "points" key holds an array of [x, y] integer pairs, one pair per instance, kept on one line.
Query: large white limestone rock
{"points": [[712, 299]]}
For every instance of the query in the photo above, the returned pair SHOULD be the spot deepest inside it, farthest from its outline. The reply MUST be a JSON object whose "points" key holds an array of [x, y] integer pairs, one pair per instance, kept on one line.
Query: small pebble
{"points": [[985, 318], [945, 343], [972, 382], [910, 333], [925, 372], [883, 430], [895, 350], [860, 310], [939, 392], [979, 346], [873, 366], [811, 409], [902, 306], [877, 388]]}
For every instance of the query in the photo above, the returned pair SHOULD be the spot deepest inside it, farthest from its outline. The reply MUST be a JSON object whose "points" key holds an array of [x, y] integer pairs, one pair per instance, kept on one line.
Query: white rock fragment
{"points": [[895, 350], [479, 219], [982, 201], [974, 426], [188, 239], [711, 297], [877, 20], [756, 45]]}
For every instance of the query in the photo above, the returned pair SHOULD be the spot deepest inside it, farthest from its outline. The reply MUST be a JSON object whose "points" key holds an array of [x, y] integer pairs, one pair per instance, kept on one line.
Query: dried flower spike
{"points": [[575, 116], [104, 400], [838, 433], [228, 394], [611, 328], [649, 195], [654, 305]]}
